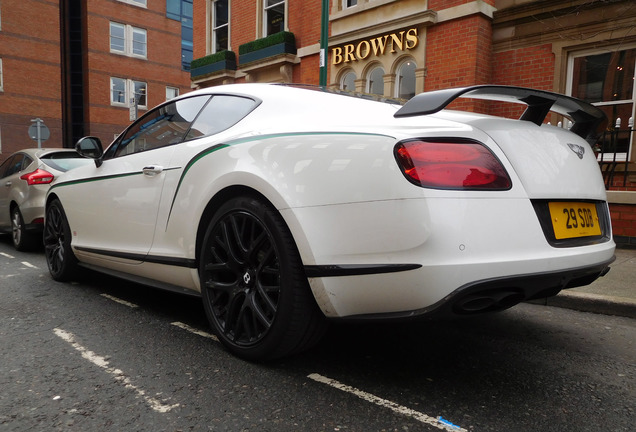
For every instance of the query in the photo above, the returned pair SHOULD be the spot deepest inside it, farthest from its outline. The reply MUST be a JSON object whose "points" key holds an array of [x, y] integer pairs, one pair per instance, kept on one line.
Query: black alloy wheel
{"points": [[254, 289], [57, 243]]}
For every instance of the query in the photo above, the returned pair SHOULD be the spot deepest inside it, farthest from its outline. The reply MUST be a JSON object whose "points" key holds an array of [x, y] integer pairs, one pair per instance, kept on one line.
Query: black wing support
{"points": [[588, 120]]}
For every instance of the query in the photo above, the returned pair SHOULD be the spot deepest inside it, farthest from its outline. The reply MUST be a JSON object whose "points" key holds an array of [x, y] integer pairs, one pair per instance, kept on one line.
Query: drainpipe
{"points": [[324, 31]]}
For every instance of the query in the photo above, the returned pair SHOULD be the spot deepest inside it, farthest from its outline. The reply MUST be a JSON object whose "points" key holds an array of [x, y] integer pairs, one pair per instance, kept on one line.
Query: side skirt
{"points": [[142, 280]]}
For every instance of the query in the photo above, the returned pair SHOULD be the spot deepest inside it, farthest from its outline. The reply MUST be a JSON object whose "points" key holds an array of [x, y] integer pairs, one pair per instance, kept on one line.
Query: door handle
{"points": [[152, 170]]}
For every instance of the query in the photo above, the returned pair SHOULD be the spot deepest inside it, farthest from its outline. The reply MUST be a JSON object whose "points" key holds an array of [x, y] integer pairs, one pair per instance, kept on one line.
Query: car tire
{"points": [[60, 259], [22, 240], [255, 292]]}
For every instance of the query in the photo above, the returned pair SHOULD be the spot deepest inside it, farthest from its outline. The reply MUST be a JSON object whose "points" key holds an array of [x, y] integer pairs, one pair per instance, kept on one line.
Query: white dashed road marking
{"points": [[438, 422], [100, 361], [6, 255], [26, 264], [159, 406], [120, 301], [195, 331]]}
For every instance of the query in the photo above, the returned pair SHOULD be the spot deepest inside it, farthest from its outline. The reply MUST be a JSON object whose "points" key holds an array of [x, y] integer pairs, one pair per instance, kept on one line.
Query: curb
{"points": [[585, 302]]}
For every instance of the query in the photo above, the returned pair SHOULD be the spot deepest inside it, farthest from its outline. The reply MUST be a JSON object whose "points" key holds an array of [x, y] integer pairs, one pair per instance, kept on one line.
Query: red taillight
{"points": [[451, 165], [37, 177]]}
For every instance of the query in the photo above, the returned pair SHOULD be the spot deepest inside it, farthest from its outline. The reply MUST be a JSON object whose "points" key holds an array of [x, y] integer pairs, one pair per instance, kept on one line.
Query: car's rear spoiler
{"points": [[588, 120]]}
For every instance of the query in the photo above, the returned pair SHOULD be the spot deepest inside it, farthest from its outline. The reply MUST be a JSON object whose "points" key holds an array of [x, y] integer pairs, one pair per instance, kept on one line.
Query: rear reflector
{"points": [[38, 177], [462, 165]]}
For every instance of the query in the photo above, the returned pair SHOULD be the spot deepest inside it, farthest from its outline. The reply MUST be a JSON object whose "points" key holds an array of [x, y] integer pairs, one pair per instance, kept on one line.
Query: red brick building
{"points": [[76, 64], [30, 64], [583, 48]]}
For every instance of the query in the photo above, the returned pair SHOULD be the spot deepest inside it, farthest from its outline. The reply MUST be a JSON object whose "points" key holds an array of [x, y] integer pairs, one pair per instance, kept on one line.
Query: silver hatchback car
{"points": [[24, 180]]}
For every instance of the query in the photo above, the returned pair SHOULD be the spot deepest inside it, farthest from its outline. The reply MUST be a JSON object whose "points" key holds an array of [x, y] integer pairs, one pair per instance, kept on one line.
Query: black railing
{"points": [[612, 151]]}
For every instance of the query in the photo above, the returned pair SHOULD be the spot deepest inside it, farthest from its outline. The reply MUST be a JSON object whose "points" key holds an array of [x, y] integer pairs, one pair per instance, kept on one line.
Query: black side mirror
{"points": [[90, 147]]}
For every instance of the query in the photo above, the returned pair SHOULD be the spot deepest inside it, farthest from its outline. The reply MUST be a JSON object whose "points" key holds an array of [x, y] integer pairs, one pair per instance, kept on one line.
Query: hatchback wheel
{"points": [[22, 240], [254, 289], [57, 243]]}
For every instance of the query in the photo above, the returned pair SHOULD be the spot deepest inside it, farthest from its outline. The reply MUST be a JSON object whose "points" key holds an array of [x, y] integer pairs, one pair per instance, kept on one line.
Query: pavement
{"points": [[612, 294]]}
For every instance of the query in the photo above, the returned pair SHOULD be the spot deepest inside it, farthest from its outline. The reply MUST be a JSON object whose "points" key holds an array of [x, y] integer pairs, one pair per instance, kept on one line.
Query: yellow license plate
{"points": [[574, 219]]}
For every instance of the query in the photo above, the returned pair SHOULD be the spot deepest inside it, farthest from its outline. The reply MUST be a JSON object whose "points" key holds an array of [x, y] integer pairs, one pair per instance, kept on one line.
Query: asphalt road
{"points": [[105, 355]]}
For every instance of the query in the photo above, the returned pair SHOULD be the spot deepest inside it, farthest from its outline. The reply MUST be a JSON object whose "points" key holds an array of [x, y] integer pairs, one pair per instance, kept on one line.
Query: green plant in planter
{"points": [[278, 43], [213, 63], [214, 58], [271, 40]]}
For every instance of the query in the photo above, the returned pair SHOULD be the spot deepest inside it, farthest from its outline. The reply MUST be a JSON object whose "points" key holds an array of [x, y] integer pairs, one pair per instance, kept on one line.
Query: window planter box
{"points": [[214, 63], [270, 51], [270, 46]]}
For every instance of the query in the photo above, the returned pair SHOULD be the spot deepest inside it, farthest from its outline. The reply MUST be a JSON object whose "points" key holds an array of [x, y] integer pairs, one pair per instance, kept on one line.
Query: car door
{"points": [[11, 187], [5, 186], [113, 211], [213, 124]]}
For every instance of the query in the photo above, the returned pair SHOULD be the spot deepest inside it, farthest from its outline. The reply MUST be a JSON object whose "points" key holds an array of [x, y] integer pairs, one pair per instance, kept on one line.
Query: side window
{"points": [[15, 165], [161, 127], [5, 167], [222, 112], [26, 162]]}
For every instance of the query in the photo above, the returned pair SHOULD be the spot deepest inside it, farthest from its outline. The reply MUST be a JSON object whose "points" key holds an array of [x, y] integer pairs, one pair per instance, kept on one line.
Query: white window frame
{"points": [[140, 3], [570, 84], [145, 91], [140, 31], [171, 92], [129, 40], [215, 28], [266, 8], [111, 90], [111, 37], [346, 5], [129, 92]]}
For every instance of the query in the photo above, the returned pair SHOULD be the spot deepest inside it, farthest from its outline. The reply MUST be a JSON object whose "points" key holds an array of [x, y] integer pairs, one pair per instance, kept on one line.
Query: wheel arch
{"points": [[49, 198], [229, 192]]}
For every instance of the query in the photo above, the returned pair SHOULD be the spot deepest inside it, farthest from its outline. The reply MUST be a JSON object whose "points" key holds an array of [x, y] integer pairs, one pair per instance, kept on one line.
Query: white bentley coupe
{"points": [[285, 207]]}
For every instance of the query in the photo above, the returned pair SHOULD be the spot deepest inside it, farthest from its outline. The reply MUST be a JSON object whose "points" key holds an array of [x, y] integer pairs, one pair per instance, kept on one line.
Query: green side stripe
{"points": [[94, 179], [108, 177]]}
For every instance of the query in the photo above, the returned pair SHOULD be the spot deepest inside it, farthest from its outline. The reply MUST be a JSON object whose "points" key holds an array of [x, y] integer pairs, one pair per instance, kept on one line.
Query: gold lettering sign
{"points": [[400, 41]]}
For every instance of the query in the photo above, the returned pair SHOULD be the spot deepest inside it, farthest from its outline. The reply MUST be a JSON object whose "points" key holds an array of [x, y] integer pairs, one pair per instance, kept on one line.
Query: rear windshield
{"points": [[64, 161]]}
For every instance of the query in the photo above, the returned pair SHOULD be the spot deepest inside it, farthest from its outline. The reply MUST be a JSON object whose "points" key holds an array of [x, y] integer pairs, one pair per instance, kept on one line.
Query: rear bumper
{"points": [[501, 293], [490, 295], [32, 208], [428, 292], [422, 257]]}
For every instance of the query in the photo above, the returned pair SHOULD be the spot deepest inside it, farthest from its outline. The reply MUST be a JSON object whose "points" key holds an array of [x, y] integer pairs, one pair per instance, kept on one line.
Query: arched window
{"points": [[375, 81], [348, 81], [405, 87]]}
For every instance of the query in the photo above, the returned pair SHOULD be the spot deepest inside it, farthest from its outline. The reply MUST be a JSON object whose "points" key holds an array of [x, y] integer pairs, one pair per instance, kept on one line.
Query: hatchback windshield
{"points": [[64, 161]]}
